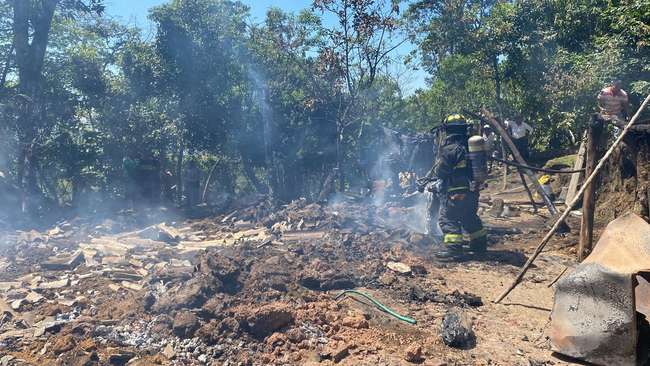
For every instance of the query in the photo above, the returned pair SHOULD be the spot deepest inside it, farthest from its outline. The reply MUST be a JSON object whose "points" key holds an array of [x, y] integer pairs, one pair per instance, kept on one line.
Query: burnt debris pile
{"points": [[252, 286]]}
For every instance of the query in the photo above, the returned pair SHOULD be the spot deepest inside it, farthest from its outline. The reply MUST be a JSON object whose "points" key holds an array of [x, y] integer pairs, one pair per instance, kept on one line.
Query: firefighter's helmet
{"points": [[456, 124]]}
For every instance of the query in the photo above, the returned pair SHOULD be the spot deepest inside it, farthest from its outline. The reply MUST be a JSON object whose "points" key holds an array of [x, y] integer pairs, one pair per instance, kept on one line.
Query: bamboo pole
{"points": [[575, 200], [530, 194]]}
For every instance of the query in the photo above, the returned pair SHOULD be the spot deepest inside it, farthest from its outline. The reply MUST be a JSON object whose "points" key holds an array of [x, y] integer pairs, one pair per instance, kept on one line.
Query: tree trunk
{"points": [[179, 170], [29, 62], [252, 178]]}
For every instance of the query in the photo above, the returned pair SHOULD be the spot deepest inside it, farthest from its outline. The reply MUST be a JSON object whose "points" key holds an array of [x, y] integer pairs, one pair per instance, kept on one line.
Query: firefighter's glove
{"points": [[422, 184], [457, 197], [435, 186]]}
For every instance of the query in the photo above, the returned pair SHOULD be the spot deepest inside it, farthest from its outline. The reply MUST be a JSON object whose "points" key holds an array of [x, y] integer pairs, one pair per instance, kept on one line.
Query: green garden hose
{"points": [[379, 305]]}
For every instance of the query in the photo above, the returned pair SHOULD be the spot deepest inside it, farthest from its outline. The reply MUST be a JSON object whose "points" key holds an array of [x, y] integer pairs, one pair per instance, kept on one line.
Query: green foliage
{"points": [[278, 105], [549, 58]]}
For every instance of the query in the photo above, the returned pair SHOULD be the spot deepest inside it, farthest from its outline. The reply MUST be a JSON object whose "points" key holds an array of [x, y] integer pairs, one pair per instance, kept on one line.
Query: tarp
{"points": [[595, 311]]}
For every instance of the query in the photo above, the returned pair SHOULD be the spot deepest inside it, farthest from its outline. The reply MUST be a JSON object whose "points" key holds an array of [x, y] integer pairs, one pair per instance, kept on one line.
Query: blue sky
{"points": [[135, 12]]}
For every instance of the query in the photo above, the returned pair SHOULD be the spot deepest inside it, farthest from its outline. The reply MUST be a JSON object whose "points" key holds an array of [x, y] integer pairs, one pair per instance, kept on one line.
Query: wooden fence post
{"points": [[588, 199]]}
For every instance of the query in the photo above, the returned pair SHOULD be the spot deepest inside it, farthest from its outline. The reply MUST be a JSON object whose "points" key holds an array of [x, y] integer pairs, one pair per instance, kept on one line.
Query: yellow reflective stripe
{"points": [[453, 238], [461, 164], [477, 234], [455, 189]]}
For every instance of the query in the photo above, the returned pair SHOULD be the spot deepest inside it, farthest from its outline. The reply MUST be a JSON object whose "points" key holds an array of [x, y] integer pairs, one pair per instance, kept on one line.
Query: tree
{"points": [[32, 22], [359, 44]]}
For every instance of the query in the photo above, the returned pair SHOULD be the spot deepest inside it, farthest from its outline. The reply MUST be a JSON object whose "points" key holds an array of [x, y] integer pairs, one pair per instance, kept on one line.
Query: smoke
{"points": [[385, 171], [402, 206], [260, 98]]}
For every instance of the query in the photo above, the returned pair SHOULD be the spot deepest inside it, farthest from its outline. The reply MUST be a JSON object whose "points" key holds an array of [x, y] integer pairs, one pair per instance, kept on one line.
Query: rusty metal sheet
{"points": [[594, 316], [624, 246], [642, 294]]}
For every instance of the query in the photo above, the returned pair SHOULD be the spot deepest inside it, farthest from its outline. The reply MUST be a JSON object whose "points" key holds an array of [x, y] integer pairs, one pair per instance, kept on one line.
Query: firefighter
{"points": [[458, 192]]}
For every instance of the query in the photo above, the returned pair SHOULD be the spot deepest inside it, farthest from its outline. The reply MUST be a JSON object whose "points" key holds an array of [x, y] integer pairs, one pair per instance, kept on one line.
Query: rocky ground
{"points": [[257, 286]]}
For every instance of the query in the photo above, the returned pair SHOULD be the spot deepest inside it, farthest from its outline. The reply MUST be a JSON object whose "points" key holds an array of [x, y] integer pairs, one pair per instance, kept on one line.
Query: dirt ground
{"points": [[257, 286]]}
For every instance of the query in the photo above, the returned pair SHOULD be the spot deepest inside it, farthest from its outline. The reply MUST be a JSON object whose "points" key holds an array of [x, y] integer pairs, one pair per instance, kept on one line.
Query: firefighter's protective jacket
{"points": [[453, 165]]}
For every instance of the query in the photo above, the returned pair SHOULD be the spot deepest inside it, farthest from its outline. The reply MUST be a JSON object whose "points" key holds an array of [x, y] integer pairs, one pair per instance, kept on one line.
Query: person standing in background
{"points": [[491, 142], [519, 131], [614, 104]]}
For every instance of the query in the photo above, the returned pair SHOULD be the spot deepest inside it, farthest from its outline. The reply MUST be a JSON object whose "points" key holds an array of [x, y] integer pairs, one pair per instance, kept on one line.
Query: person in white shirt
{"points": [[490, 139], [519, 131]]}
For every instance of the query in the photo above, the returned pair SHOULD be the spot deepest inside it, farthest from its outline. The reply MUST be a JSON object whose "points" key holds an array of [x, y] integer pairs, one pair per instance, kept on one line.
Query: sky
{"points": [[134, 12]]}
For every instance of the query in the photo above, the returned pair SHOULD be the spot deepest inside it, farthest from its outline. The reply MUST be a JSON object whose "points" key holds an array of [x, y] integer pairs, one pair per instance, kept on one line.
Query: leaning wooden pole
{"points": [[575, 200], [530, 194], [515, 152]]}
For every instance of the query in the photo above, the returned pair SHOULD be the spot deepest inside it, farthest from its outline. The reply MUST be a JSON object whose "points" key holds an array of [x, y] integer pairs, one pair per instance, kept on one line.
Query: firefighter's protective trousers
{"points": [[458, 215]]}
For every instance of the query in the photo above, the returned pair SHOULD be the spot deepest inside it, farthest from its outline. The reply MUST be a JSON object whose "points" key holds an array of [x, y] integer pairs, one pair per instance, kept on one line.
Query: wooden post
{"points": [[589, 197], [575, 178], [504, 153]]}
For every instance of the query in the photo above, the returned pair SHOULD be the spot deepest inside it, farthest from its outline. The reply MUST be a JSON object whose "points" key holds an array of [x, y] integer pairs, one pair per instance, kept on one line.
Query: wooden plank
{"points": [[575, 177]]}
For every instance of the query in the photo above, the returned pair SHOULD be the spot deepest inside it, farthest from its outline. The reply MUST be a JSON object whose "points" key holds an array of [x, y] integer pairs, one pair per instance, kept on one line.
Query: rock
{"points": [[148, 301], [296, 335], [269, 319], [497, 208], [276, 339], [185, 324], [17, 304], [63, 344], [413, 353], [162, 326], [327, 280], [419, 239], [132, 285], [457, 330], [64, 262], [120, 359], [336, 354], [418, 294], [191, 294], [463, 299], [216, 264], [55, 284], [33, 297], [5, 360], [88, 345], [168, 234], [356, 321], [399, 267], [387, 279], [85, 359], [510, 211], [169, 352], [229, 326]]}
